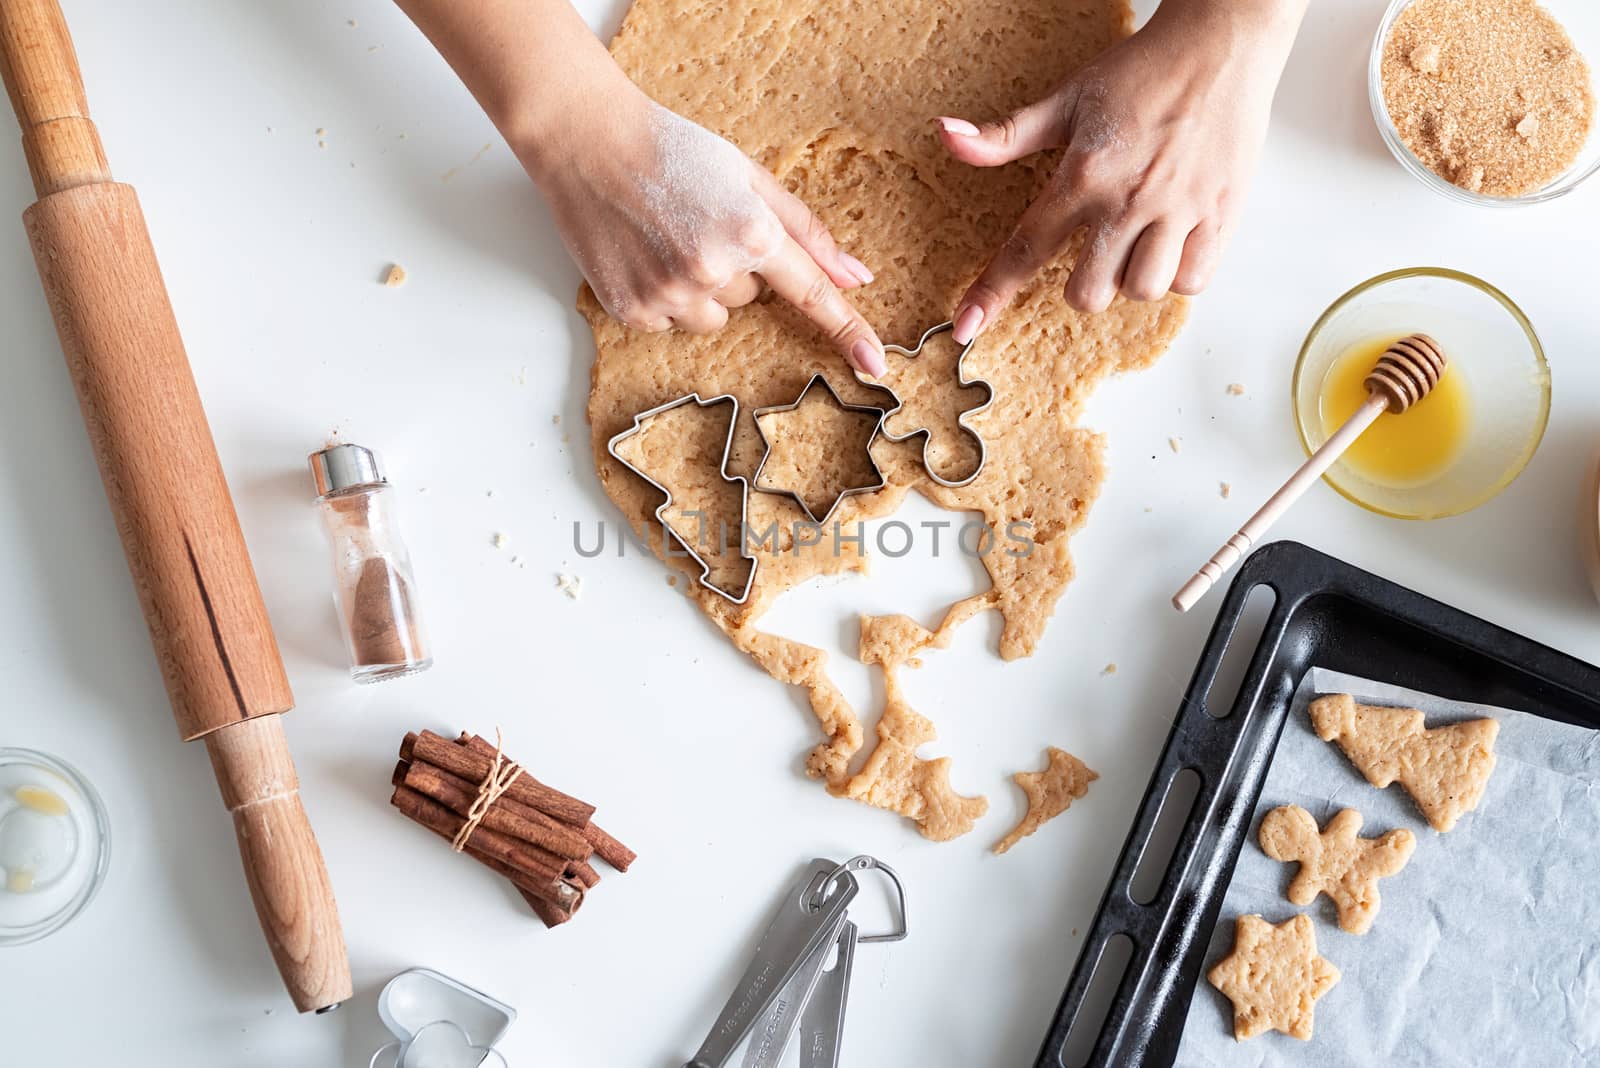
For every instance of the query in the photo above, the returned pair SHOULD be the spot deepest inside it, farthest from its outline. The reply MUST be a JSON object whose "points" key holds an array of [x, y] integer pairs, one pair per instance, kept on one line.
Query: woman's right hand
{"points": [[673, 225]]}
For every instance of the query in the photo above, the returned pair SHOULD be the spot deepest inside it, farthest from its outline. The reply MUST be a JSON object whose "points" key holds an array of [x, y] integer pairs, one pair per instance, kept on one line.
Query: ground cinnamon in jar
{"points": [[382, 624], [1491, 95], [373, 584]]}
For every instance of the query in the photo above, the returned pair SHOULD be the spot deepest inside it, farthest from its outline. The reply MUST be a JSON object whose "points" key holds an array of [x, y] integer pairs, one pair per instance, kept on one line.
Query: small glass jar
{"points": [[55, 845], [374, 589]]}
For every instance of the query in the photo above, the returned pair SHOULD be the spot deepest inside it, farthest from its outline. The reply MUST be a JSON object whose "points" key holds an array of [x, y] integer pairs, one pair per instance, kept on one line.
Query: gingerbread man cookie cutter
{"points": [[741, 595], [848, 491], [961, 420]]}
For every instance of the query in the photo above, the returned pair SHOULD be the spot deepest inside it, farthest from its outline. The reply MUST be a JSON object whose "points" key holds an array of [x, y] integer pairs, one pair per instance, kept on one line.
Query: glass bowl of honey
{"points": [[1470, 437]]}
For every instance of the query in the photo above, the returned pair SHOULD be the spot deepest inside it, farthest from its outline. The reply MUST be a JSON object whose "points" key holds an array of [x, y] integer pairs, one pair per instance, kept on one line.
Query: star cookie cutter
{"points": [[961, 420], [639, 420], [849, 491]]}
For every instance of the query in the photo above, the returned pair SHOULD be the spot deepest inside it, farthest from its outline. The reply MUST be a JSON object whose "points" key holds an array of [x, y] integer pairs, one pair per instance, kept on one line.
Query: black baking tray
{"points": [[1326, 614]]}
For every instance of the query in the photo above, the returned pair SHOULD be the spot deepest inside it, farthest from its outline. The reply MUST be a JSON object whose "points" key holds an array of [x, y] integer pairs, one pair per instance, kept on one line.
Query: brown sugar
{"points": [[1490, 95]]}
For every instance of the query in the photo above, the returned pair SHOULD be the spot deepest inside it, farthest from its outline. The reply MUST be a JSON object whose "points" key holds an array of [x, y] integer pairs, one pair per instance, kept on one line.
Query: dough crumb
{"points": [[1226, 489], [500, 540], [1235, 389], [322, 131], [571, 585], [1174, 444], [395, 276], [1109, 669], [350, 23], [1050, 792]]}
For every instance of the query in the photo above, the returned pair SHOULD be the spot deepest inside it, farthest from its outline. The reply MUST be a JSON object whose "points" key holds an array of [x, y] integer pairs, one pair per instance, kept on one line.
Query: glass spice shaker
{"points": [[374, 589]]}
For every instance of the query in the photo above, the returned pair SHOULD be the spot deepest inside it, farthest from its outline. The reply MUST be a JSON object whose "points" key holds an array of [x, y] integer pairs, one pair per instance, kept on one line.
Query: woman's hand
{"points": [[1161, 133], [672, 226]]}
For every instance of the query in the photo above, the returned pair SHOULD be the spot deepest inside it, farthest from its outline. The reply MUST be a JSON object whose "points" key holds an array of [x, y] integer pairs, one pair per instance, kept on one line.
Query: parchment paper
{"points": [[1486, 949]]}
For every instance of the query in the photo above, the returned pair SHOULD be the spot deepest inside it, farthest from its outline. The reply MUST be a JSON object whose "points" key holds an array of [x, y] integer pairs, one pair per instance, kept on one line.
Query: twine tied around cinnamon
{"points": [[502, 773]]}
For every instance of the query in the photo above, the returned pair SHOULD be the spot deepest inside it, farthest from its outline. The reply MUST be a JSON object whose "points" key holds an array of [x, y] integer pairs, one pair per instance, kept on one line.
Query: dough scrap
{"points": [[1335, 861], [1444, 769], [1050, 792], [835, 99], [895, 778], [1274, 977]]}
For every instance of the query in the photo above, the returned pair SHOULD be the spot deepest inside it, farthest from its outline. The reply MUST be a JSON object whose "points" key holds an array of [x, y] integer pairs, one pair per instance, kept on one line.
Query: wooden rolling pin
{"points": [[159, 465], [1405, 373]]}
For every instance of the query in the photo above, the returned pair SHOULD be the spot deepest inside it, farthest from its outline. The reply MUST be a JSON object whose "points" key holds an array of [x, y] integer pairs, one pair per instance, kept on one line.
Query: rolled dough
{"points": [[836, 97]]}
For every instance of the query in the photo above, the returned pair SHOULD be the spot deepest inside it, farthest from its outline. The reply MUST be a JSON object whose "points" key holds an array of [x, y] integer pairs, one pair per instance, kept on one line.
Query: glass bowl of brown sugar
{"points": [[1489, 102]]}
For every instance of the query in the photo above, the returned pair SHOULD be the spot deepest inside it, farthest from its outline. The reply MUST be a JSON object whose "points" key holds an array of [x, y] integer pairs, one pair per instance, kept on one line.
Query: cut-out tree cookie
{"points": [[1050, 792], [1335, 861], [1444, 769], [1274, 977], [819, 449]]}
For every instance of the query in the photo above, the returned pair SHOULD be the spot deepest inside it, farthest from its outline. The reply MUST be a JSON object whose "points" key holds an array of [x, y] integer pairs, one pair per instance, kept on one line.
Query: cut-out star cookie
{"points": [[1335, 861], [819, 449], [1274, 977], [1050, 792], [1444, 769]]}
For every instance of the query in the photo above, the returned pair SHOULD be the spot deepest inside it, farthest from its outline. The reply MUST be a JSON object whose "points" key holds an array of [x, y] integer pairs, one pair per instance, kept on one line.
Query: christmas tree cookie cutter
{"points": [[737, 596]]}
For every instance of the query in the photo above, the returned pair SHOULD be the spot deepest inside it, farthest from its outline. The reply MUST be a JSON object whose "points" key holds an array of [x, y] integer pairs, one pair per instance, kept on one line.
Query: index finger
{"points": [[1043, 231], [795, 277]]}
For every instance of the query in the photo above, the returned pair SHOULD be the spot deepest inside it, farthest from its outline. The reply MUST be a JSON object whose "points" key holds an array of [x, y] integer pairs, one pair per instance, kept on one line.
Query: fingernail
{"points": [[967, 324], [857, 269], [867, 359], [957, 126]]}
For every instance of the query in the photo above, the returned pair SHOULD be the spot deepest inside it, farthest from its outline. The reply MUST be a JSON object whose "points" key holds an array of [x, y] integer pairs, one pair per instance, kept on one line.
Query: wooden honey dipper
{"points": [[1405, 373]]}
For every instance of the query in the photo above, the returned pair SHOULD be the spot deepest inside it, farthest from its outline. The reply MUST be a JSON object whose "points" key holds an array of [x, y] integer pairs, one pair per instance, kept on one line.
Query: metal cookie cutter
{"points": [[849, 491], [961, 420], [705, 567]]}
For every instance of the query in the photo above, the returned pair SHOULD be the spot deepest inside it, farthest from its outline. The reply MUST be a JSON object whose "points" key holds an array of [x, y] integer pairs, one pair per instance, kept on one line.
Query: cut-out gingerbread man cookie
{"points": [[1335, 861], [1274, 977], [1444, 769]]}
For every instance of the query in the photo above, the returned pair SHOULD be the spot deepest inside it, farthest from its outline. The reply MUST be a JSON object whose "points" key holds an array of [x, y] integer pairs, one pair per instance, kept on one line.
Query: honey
{"points": [[1404, 450]]}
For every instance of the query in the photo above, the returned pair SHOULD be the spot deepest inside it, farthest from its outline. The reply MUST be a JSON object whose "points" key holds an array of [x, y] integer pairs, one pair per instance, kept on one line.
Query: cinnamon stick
{"points": [[505, 815], [482, 747], [552, 914], [518, 856], [608, 848], [584, 872], [470, 763]]}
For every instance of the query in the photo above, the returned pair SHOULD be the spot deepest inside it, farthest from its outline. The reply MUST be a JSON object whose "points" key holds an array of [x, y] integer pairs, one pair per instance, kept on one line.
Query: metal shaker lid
{"points": [[343, 467]]}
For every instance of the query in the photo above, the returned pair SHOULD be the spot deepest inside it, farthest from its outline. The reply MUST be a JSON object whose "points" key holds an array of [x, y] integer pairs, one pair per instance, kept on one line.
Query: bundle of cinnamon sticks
{"points": [[540, 838]]}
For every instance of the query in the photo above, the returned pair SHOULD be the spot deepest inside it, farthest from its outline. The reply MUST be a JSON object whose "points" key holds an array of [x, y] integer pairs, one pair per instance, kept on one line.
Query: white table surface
{"points": [[272, 249]]}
